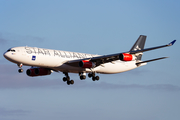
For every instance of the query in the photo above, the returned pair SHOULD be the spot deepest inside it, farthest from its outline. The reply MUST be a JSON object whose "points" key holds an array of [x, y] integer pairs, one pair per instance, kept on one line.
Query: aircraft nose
{"points": [[8, 56], [5, 55]]}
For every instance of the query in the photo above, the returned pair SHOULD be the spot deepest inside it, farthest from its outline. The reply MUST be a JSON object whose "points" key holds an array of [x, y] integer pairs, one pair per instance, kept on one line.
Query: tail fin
{"points": [[139, 45]]}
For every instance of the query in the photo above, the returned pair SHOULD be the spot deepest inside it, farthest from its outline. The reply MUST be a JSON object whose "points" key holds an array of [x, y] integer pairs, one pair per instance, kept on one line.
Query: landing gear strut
{"points": [[82, 76], [67, 79], [20, 66], [94, 77]]}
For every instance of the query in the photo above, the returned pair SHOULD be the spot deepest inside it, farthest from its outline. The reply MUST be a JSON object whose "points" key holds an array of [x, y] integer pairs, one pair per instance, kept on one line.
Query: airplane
{"points": [[45, 61]]}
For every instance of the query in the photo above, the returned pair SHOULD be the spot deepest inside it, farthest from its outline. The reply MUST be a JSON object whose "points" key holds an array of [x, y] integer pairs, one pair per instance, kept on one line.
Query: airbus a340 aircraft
{"points": [[45, 61]]}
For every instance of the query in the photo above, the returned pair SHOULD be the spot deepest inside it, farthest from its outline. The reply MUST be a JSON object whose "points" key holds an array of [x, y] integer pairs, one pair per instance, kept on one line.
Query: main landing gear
{"points": [[67, 79], [82, 76], [94, 77], [20, 66]]}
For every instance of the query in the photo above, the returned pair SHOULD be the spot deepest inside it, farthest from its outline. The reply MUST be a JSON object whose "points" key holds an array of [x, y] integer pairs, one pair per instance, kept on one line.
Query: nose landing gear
{"points": [[20, 66]]}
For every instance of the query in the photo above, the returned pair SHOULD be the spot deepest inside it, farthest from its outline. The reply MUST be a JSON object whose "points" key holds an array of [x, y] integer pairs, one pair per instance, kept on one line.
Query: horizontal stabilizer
{"points": [[150, 60]]}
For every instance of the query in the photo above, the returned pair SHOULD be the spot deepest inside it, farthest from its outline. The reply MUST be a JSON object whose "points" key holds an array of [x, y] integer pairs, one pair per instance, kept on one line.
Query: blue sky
{"points": [[96, 27]]}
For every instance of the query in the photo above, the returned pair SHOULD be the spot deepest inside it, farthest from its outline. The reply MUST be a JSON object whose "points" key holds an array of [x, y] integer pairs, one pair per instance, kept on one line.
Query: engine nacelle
{"points": [[126, 57], [38, 72], [86, 64]]}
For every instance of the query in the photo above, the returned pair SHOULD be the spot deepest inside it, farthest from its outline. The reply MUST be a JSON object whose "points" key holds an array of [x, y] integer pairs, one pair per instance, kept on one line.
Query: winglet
{"points": [[171, 43]]}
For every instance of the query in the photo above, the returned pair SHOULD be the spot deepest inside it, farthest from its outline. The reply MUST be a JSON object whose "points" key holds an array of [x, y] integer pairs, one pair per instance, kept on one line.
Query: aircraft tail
{"points": [[139, 45]]}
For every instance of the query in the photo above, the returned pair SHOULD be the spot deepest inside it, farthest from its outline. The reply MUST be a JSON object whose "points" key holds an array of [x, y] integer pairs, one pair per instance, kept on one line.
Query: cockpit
{"points": [[12, 50], [11, 54]]}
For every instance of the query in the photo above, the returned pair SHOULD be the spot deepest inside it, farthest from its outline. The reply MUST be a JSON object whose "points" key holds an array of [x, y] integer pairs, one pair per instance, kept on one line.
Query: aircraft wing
{"points": [[153, 48], [99, 60]]}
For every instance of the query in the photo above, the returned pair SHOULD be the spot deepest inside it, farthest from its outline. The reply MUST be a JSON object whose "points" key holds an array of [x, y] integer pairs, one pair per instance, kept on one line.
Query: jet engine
{"points": [[86, 64], [38, 72], [126, 57]]}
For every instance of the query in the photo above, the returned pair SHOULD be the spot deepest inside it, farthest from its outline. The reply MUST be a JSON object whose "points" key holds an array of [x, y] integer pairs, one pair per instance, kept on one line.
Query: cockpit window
{"points": [[12, 50]]}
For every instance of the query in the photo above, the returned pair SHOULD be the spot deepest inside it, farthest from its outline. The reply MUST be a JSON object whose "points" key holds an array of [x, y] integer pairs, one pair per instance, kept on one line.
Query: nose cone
{"points": [[5, 55]]}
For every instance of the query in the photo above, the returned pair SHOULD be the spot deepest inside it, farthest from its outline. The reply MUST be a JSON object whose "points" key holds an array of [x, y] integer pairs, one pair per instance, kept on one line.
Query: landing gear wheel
{"points": [[97, 77], [72, 82], [82, 77], [68, 82], [89, 75], [93, 78], [64, 79], [20, 70]]}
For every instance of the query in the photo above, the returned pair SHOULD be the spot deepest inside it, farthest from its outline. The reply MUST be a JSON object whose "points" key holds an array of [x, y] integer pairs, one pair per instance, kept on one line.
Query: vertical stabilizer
{"points": [[139, 45]]}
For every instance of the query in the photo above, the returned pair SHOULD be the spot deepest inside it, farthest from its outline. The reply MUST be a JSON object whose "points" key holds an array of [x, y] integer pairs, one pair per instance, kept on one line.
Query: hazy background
{"points": [[151, 92]]}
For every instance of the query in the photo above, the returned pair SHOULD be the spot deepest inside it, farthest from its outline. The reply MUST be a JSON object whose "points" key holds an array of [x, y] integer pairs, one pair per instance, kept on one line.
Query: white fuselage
{"points": [[55, 59]]}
